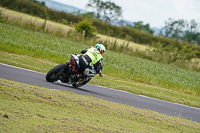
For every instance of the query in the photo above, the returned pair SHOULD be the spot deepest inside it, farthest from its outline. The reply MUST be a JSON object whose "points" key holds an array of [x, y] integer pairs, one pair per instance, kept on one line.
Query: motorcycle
{"points": [[70, 73]]}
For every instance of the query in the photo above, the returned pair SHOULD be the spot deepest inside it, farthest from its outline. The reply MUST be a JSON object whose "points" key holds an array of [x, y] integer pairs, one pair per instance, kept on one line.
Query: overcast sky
{"points": [[154, 12]]}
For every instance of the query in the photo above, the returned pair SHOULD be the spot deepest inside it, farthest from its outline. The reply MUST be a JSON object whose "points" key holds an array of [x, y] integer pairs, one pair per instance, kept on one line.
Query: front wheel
{"points": [[52, 74]]}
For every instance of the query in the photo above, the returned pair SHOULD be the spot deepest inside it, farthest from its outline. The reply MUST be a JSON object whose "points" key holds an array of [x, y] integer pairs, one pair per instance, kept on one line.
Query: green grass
{"points": [[121, 71], [28, 108], [44, 46], [43, 65]]}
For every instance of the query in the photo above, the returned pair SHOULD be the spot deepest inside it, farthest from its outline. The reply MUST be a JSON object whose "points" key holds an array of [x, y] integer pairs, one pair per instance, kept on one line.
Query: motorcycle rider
{"points": [[91, 57], [67, 73]]}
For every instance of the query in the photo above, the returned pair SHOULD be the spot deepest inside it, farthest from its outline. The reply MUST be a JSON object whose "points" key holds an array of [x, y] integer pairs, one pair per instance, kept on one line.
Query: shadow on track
{"points": [[79, 89]]}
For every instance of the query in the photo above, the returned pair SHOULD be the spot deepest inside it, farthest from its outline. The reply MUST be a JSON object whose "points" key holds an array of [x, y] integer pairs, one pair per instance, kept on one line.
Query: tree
{"points": [[41, 2], [192, 32], [173, 29], [85, 26], [182, 30], [88, 15], [96, 5], [108, 9], [142, 27], [111, 11]]}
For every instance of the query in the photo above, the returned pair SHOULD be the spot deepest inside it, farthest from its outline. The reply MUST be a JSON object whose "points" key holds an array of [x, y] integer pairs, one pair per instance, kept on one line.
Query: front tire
{"points": [[52, 74]]}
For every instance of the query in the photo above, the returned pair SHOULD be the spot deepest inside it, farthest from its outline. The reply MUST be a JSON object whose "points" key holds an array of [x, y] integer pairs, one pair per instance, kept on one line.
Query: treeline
{"points": [[130, 34], [182, 30]]}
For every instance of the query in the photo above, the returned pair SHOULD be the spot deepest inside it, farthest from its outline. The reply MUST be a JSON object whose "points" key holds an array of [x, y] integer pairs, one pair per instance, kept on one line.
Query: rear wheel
{"points": [[52, 75]]}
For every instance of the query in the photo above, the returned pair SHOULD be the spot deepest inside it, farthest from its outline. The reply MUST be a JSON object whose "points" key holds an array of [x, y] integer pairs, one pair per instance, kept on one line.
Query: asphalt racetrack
{"points": [[36, 78]]}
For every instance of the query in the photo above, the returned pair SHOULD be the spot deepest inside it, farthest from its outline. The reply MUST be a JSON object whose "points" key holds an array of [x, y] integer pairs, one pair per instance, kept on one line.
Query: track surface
{"points": [[138, 101]]}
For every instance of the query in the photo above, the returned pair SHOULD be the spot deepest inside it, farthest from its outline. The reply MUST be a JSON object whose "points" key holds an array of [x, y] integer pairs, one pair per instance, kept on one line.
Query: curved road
{"points": [[138, 101]]}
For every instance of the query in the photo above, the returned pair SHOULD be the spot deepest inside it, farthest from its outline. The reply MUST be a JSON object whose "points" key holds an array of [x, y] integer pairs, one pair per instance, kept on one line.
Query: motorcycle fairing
{"points": [[74, 62], [75, 57]]}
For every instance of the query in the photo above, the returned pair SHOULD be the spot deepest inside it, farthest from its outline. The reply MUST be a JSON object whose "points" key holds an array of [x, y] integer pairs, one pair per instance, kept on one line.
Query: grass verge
{"points": [[28, 108]]}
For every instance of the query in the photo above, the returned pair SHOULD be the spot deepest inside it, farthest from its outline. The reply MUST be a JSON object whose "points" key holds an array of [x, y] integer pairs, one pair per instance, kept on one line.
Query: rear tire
{"points": [[52, 74]]}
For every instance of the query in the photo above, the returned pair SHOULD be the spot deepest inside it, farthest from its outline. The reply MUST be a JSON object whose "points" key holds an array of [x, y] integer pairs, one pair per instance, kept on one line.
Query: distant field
{"points": [[50, 25], [29, 108], [132, 45], [21, 17]]}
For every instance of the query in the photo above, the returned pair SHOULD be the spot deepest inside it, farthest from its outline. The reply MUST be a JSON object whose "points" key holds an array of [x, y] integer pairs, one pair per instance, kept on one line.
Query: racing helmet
{"points": [[101, 48]]}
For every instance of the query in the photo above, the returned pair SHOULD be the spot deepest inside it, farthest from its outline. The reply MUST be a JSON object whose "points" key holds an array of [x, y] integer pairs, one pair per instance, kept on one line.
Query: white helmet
{"points": [[101, 48]]}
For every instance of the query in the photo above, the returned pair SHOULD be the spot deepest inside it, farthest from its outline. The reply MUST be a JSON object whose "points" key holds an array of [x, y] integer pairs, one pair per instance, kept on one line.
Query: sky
{"points": [[153, 12]]}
